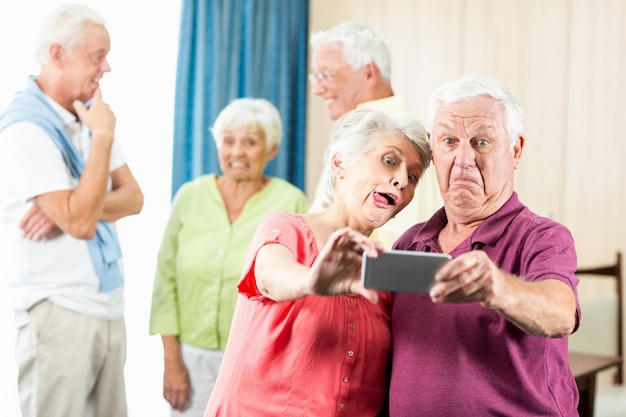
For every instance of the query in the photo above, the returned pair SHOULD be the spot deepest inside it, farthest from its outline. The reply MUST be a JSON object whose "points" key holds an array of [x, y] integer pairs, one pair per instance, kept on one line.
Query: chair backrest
{"points": [[612, 271]]}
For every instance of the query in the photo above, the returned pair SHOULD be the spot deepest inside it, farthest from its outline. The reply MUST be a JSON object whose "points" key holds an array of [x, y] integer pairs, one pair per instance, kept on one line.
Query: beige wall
{"points": [[565, 60]]}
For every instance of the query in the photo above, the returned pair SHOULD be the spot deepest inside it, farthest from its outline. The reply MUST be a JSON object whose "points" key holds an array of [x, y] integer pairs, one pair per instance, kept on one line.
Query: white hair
{"points": [[64, 26], [357, 132], [359, 44], [477, 85], [247, 111]]}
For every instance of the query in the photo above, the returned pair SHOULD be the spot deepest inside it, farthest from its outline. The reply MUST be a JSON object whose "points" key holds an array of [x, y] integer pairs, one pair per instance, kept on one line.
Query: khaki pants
{"points": [[70, 364]]}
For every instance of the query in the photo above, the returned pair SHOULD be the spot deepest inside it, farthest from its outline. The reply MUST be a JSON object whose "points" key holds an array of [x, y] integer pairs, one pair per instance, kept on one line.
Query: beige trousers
{"points": [[71, 365]]}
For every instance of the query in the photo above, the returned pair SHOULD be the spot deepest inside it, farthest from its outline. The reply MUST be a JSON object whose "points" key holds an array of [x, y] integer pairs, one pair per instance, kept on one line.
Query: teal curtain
{"points": [[239, 48]]}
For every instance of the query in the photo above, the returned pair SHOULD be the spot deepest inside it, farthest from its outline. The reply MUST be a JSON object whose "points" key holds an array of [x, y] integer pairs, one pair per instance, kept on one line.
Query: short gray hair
{"points": [[248, 111], [358, 132], [359, 44], [470, 86], [65, 26]]}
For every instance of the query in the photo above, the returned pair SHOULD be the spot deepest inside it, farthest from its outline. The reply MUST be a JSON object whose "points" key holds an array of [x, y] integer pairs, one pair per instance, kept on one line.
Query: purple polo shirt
{"points": [[466, 360]]}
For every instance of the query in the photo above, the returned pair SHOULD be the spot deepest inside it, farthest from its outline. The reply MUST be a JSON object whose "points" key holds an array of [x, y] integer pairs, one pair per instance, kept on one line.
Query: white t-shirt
{"points": [[58, 269]]}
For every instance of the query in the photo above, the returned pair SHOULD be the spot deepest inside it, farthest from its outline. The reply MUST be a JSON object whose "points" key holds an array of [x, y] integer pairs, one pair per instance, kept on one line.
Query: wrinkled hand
{"points": [[469, 277], [98, 116], [37, 226], [337, 269], [176, 384]]}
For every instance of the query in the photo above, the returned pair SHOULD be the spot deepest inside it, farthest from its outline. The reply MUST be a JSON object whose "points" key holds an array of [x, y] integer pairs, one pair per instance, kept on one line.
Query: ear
{"points": [[336, 166], [517, 150], [56, 53], [272, 153], [371, 72]]}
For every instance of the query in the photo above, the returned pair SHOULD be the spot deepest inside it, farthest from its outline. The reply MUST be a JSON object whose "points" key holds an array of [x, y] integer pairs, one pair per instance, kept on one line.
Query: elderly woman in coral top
{"points": [[293, 350]]}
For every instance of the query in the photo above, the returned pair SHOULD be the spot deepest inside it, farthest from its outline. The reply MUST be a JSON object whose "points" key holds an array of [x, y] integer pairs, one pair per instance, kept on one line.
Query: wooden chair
{"points": [[586, 366], [613, 271]]}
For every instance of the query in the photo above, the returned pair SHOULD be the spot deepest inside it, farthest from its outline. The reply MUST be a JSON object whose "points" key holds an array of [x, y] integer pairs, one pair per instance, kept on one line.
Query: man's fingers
{"points": [[97, 96], [29, 215], [79, 106], [80, 109]]}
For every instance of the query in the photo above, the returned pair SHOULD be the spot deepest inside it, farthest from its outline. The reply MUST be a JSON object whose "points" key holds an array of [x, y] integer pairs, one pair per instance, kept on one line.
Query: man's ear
{"points": [[371, 71], [56, 53], [517, 150]]}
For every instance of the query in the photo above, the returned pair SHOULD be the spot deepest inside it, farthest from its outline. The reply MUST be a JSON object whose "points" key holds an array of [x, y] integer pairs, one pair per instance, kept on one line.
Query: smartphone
{"points": [[402, 271]]}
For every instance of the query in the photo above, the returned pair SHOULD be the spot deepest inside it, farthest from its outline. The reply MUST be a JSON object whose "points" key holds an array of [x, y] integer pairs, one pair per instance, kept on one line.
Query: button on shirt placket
{"points": [[350, 358], [221, 260]]}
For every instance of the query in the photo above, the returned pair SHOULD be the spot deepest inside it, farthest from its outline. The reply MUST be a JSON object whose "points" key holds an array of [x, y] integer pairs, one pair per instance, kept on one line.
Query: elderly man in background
{"points": [[64, 182], [351, 68], [491, 337]]}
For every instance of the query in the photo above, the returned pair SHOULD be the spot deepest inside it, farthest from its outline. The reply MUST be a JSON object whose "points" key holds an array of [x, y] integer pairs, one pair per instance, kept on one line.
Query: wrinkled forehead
{"points": [[476, 113]]}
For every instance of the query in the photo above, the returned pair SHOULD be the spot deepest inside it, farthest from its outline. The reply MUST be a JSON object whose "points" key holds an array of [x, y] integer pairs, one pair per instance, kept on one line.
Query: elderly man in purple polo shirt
{"points": [[490, 338]]}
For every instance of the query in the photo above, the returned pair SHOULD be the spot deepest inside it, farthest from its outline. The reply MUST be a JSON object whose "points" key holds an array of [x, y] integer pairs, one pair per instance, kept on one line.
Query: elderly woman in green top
{"points": [[205, 241]]}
